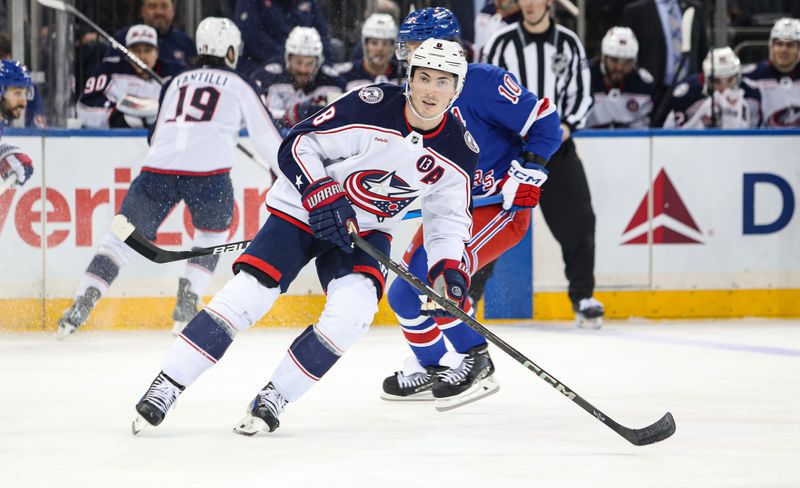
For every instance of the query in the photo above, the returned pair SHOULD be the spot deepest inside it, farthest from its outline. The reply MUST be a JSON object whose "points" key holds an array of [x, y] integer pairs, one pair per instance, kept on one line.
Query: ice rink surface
{"points": [[733, 387]]}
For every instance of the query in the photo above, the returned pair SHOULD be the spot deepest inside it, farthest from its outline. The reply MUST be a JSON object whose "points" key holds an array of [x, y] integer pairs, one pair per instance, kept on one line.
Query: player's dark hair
{"points": [[5, 45], [206, 60]]}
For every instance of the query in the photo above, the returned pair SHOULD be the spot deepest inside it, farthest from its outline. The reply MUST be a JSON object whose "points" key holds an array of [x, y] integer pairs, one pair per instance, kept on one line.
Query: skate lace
{"points": [[459, 374], [162, 393], [414, 379], [273, 400]]}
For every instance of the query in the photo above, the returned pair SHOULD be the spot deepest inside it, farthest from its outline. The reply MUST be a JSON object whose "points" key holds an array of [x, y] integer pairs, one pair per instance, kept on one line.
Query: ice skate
{"points": [[589, 313], [78, 313], [262, 413], [470, 381], [412, 383], [185, 307], [156, 402]]}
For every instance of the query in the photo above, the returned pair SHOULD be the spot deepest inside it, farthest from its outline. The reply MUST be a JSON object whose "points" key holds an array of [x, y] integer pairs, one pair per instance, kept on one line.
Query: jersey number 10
{"points": [[203, 99]]}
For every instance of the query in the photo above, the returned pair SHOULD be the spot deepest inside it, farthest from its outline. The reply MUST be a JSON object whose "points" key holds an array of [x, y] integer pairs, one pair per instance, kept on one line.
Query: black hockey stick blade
{"points": [[127, 233], [658, 431]]}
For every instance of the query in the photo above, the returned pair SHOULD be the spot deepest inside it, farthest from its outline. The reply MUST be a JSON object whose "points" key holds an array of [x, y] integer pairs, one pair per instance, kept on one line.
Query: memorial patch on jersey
{"points": [[371, 94], [471, 143], [379, 192]]}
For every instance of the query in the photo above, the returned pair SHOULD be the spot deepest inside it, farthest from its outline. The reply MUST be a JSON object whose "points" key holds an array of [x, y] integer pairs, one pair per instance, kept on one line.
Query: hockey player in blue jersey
{"points": [[16, 89], [622, 91], [517, 133], [778, 78], [717, 98], [378, 64], [120, 94], [360, 162]]}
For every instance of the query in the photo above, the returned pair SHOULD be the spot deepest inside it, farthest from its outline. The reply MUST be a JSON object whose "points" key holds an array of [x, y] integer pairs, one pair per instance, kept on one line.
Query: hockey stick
{"points": [[128, 233], [659, 114], [8, 183], [656, 432], [65, 7]]}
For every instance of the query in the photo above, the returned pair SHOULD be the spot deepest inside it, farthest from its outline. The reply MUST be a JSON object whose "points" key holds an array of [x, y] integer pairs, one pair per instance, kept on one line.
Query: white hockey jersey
{"points": [[780, 94], [627, 106], [199, 119], [691, 107], [364, 142], [278, 92], [111, 81]]}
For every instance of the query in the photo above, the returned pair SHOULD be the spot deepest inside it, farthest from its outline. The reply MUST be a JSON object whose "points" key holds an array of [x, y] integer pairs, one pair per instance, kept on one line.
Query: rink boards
{"points": [[688, 225]]}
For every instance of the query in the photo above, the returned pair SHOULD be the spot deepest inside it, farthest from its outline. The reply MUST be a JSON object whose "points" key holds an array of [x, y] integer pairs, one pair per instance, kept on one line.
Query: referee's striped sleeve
{"points": [[578, 101]]}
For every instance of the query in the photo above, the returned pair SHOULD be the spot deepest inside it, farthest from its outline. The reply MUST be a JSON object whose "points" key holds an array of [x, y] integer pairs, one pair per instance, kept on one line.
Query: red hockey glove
{"points": [[450, 281], [521, 186], [329, 212], [13, 160]]}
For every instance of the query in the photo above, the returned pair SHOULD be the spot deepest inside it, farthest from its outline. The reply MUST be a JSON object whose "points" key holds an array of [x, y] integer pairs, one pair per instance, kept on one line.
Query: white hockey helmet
{"points": [[447, 56], [722, 62], [786, 29], [304, 41], [379, 26], [215, 35], [620, 42]]}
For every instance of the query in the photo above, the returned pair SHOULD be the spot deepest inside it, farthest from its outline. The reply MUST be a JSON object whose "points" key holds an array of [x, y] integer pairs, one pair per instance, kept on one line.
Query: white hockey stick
{"points": [[65, 7], [8, 182]]}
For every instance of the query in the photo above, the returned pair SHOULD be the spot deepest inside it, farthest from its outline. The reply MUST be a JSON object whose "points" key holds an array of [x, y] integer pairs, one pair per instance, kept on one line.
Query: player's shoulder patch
{"points": [[273, 68], [112, 59], [646, 76], [471, 143], [371, 94], [681, 90]]}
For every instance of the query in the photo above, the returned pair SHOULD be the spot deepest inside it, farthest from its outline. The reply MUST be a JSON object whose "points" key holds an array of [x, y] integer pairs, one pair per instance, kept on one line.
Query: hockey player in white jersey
{"points": [[778, 79], [16, 89], [191, 152], [622, 91], [717, 98], [362, 160], [378, 64], [120, 94], [303, 85]]}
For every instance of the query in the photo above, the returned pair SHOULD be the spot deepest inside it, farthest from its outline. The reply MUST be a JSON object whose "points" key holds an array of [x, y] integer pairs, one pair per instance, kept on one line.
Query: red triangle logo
{"points": [[666, 201]]}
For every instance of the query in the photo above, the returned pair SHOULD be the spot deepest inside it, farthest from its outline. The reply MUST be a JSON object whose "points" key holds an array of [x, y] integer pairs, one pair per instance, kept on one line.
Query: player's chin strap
{"points": [[407, 93]]}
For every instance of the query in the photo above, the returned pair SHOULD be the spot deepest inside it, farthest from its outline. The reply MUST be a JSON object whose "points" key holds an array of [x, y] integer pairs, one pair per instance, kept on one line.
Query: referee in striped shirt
{"points": [[551, 62]]}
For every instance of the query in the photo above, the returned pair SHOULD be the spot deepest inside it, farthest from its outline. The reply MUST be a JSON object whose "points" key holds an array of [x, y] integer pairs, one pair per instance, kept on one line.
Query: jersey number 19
{"points": [[203, 99]]}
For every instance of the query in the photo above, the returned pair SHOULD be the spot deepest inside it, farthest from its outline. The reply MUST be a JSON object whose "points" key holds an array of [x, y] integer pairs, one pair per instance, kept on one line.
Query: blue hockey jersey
{"points": [[505, 119]]}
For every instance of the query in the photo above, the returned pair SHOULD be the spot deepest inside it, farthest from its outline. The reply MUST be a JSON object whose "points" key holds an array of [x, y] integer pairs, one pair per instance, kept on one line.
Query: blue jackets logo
{"points": [[379, 192]]}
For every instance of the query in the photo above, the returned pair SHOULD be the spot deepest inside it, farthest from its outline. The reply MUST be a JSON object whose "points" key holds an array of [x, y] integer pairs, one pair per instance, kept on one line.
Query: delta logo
{"points": [[672, 223]]}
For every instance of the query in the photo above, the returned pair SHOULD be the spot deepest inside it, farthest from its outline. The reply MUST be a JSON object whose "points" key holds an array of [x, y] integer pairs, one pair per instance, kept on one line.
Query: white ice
{"points": [[733, 387]]}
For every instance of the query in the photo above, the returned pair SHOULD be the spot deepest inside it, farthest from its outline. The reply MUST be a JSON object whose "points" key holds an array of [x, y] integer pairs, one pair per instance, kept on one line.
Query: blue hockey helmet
{"points": [[12, 73], [427, 23]]}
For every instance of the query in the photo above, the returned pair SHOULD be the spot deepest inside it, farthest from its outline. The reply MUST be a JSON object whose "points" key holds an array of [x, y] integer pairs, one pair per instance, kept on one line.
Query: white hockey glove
{"points": [[13, 160], [522, 185], [143, 109]]}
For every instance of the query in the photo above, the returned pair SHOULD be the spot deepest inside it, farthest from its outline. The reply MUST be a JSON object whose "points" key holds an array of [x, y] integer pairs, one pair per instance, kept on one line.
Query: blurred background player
{"points": [[778, 78], [517, 133], [549, 60], [378, 64], [495, 15], [303, 84], [381, 148], [719, 98], [622, 91], [190, 157], [16, 90], [119, 93]]}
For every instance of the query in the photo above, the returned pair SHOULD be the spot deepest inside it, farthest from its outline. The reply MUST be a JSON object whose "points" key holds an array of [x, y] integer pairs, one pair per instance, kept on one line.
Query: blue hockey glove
{"points": [[329, 211], [450, 281], [522, 185]]}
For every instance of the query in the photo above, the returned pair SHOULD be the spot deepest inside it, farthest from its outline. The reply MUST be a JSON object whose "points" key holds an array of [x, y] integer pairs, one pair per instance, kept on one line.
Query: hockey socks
{"points": [[425, 338], [309, 357], [201, 344]]}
